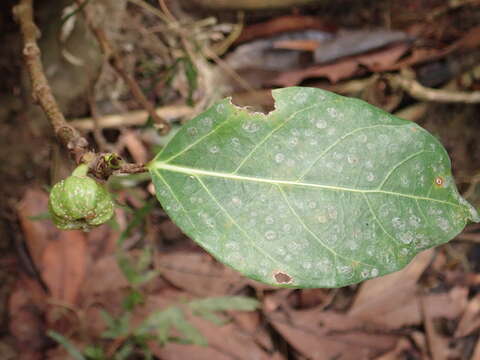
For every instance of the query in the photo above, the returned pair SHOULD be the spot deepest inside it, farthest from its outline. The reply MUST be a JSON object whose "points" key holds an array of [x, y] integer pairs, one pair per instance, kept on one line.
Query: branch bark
{"points": [[101, 165], [41, 91], [420, 92]]}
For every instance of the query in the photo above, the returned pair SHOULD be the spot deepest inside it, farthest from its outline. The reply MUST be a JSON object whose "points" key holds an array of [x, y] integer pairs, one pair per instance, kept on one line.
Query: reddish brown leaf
{"points": [[301, 45], [470, 320], [135, 146], [282, 24], [375, 61], [25, 318], [334, 72], [64, 265], [199, 274], [398, 352], [437, 343], [104, 277], [329, 335], [37, 233], [228, 341], [390, 300]]}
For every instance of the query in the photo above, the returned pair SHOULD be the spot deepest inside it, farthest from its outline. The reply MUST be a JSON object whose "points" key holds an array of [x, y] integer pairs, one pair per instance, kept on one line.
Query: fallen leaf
{"points": [[25, 318], [37, 233], [346, 68], [262, 54], [470, 320], [199, 274], [331, 335], [392, 301], [226, 341], [174, 351], [476, 351], [437, 343], [399, 351], [63, 266], [102, 241], [135, 147], [334, 72], [354, 42], [377, 298], [251, 323], [283, 24], [300, 45], [104, 277]]}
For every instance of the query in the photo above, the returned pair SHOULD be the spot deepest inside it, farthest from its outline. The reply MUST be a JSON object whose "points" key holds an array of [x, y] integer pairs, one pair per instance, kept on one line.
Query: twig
{"points": [[116, 62], [41, 91], [101, 165], [132, 118], [97, 131], [420, 92]]}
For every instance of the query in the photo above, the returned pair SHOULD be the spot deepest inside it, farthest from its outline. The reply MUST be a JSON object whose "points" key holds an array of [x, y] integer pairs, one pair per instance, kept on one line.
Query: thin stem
{"points": [[95, 163], [41, 91]]}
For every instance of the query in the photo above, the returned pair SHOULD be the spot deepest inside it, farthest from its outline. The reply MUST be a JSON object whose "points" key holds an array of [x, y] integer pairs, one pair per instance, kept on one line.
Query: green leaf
{"points": [[62, 340], [324, 191], [161, 323], [206, 307], [116, 327], [94, 353]]}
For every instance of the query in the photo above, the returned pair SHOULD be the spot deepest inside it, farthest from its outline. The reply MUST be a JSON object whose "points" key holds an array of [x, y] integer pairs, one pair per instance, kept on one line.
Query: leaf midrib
{"points": [[199, 172]]}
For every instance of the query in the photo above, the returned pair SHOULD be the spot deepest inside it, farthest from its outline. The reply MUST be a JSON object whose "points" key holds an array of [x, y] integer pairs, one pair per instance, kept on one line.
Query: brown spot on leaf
{"points": [[439, 181], [282, 278]]}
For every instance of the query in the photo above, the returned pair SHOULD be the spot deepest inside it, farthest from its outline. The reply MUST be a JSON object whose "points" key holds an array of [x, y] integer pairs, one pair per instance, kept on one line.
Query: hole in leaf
{"points": [[282, 278]]}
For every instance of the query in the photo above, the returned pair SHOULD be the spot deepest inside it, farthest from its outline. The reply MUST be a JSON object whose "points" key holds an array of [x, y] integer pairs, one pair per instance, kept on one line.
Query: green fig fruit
{"points": [[79, 202]]}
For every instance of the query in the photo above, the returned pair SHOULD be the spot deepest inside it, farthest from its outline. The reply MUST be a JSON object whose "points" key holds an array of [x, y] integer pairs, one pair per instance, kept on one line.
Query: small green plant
{"points": [[157, 326], [324, 191]]}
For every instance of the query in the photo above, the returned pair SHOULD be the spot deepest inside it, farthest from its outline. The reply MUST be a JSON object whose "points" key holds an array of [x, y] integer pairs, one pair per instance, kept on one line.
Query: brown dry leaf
{"points": [[301, 45], [470, 40], [228, 341], [251, 323], [63, 266], [470, 320], [60, 256], [375, 61], [104, 277], [329, 335], [393, 301], [390, 299], [282, 24], [398, 353], [379, 60], [37, 233], [334, 72], [476, 351], [199, 274], [135, 147], [25, 307], [185, 351], [102, 241], [437, 344], [420, 341]]}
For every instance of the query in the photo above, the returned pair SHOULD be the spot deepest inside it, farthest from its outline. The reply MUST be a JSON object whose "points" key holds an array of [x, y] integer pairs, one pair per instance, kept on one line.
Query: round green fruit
{"points": [[79, 202]]}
